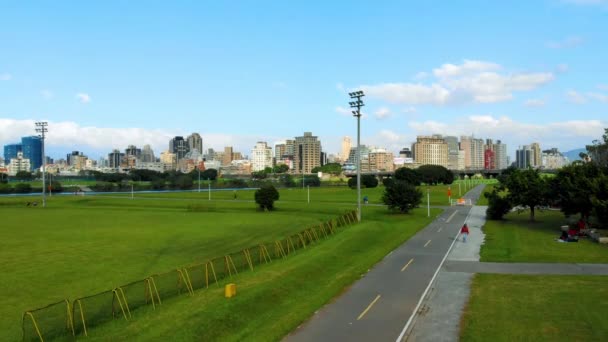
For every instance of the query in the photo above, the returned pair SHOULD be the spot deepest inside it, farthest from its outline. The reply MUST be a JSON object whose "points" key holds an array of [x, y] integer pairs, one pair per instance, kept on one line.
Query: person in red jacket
{"points": [[465, 232]]}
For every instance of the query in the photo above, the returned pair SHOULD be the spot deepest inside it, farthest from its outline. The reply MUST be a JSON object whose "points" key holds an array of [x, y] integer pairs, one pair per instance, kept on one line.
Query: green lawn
{"points": [[273, 300], [516, 239], [83, 245], [341, 194], [482, 199], [510, 308]]}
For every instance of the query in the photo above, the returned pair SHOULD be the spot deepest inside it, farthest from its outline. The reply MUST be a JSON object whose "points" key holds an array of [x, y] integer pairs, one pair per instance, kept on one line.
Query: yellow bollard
{"points": [[230, 290]]}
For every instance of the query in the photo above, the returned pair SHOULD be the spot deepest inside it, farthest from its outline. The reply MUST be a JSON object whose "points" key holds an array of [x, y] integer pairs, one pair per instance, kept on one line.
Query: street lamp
{"points": [[41, 127], [357, 113]]}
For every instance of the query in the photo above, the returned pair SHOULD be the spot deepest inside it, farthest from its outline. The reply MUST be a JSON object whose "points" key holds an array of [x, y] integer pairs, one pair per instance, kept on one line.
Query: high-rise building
{"points": [[308, 153], [167, 158], [431, 151], [405, 153], [70, 157], [179, 147], [19, 163], [553, 159], [10, 152], [500, 155], [279, 150], [133, 152], [346, 145], [32, 150], [474, 152], [352, 155], [523, 157], [536, 160], [452, 152], [227, 159], [195, 142], [147, 154], [261, 156], [380, 160], [115, 159]]}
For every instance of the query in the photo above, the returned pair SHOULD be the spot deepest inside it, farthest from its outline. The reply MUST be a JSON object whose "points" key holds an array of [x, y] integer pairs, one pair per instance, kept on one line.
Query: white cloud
{"points": [[467, 67], [575, 97], [534, 103], [567, 134], [382, 113], [602, 87], [421, 76], [472, 81], [568, 42], [47, 94], [340, 86], [5, 77], [83, 97], [96, 141], [409, 110], [598, 97]]}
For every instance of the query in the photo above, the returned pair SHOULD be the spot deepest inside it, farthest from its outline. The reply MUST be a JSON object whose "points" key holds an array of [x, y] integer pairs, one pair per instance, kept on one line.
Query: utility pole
{"points": [[42, 129], [357, 113]]}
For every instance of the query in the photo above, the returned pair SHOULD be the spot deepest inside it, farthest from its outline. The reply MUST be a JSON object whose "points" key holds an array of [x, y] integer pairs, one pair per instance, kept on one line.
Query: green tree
{"points": [[599, 199], [158, 183], [281, 168], [287, 180], [408, 175], [369, 181], [570, 189], [598, 151], [5, 188], [527, 188], [24, 175], [312, 180], [435, 174], [331, 168], [498, 206], [266, 196], [209, 174], [401, 196]]}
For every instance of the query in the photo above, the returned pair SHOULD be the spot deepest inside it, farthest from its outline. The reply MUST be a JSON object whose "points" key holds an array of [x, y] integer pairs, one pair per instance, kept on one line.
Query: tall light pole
{"points": [[199, 178], [357, 113], [41, 127]]}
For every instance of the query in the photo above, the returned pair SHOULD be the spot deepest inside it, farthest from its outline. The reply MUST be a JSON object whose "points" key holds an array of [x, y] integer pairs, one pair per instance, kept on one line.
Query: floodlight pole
{"points": [[42, 129], [199, 178], [358, 104]]}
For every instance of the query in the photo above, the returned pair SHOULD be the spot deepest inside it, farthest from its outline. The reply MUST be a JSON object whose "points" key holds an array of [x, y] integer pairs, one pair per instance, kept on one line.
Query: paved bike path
{"points": [[378, 306]]}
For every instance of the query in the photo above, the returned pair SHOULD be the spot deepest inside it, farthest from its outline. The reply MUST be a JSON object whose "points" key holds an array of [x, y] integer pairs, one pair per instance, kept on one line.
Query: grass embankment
{"points": [[80, 246], [536, 308], [273, 300], [337, 195], [482, 199], [516, 239], [83, 245]]}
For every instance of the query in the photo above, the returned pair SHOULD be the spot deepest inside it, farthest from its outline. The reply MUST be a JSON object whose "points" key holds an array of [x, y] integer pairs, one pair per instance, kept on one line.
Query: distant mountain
{"points": [[574, 154]]}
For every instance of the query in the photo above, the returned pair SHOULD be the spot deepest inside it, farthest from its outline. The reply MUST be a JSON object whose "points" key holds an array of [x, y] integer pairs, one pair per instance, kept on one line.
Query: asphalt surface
{"points": [[525, 268], [377, 307]]}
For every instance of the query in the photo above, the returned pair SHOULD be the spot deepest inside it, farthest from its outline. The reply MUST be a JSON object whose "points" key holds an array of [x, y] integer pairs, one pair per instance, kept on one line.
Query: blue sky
{"points": [[107, 74]]}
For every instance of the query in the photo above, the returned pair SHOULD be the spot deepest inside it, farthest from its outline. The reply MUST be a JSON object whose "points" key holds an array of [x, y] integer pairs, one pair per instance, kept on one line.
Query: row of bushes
{"points": [[25, 188]]}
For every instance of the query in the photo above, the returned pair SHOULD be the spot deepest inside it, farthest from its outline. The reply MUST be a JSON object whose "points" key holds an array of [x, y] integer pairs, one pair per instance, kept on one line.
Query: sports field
{"points": [[79, 245]]}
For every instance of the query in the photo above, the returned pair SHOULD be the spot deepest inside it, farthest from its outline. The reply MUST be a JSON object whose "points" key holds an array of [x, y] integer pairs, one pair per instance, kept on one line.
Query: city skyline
{"points": [[426, 69]]}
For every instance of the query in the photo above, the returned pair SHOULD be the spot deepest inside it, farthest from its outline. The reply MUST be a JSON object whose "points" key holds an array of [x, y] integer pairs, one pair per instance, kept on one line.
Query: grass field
{"points": [[516, 239], [511, 308], [275, 299], [83, 245]]}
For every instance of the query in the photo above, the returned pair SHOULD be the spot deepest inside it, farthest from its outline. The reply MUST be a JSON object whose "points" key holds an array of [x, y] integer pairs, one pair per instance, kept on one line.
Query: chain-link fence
{"points": [[63, 320]]}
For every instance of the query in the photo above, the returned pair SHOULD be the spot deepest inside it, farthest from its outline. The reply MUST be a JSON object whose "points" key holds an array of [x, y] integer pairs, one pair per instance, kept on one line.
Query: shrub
{"points": [[5, 188], [498, 206], [369, 181], [402, 196], [23, 188], [265, 197]]}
